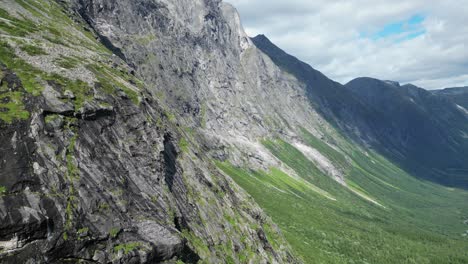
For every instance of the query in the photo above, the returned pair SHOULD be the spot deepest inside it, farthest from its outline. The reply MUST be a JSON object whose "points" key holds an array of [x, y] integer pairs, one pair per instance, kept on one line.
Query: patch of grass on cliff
{"points": [[82, 91], [33, 50], [34, 7], [58, 28], [114, 232], [183, 145], [33, 79], [12, 107], [127, 248], [82, 231], [49, 119], [110, 83], [30, 77], [67, 62], [197, 244], [3, 190], [11, 25], [55, 25]]}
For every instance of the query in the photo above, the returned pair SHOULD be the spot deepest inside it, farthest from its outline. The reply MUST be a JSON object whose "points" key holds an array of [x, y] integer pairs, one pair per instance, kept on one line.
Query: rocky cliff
{"points": [[99, 158]]}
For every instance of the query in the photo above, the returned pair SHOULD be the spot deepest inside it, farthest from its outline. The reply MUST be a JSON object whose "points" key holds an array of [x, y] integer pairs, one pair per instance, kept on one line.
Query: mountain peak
{"points": [[262, 38], [394, 83]]}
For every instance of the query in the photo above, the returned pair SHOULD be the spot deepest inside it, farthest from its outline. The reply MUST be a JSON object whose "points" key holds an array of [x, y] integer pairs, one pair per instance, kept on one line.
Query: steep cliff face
{"points": [[197, 58], [93, 168]]}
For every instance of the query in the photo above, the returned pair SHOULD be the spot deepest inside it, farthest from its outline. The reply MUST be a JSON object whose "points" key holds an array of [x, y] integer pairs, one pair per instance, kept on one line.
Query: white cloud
{"points": [[329, 36]]}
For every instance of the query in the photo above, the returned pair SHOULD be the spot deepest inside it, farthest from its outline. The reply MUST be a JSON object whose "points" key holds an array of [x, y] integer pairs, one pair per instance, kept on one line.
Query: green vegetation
{"points": [[51, 118], [127, 248], [170, 116], [421, 221], [12, 107], [183, 145], [196, 243], [110, 80], [82, 231], [114, 232], [67, 62], [82, 91], [3, 190], [28, 75], [11, 102], [32, 79], [58, 29], [56, 25], [104, 207], [73, 172], [305, 168], [16, 27], [32, 50], [337, 158]]}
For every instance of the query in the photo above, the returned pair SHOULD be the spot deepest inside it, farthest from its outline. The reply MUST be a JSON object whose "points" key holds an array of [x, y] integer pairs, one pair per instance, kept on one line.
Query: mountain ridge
{"points": [[458, 95], [362, 99]]}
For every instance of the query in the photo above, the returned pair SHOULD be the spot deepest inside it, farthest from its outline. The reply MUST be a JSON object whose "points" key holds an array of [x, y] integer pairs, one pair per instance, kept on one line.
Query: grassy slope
{"points": [[34, 28], [421, 222]]}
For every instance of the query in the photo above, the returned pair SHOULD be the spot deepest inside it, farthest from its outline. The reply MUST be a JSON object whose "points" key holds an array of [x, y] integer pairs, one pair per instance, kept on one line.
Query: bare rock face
{"points": [[196, 57]]}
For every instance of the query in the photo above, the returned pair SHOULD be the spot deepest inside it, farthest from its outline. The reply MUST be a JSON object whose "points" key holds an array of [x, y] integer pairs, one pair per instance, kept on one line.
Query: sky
{"points": [[423, 42]]}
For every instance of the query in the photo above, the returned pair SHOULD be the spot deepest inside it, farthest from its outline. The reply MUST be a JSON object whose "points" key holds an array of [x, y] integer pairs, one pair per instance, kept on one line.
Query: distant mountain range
{"points": [[458, 95], [425, 132]]}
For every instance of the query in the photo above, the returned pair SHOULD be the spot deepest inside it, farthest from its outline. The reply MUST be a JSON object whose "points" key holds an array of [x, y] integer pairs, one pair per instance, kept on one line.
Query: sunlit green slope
{"points": [[383, 215]]}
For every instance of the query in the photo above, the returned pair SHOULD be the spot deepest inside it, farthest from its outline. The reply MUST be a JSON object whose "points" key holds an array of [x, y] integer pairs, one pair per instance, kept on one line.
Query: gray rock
{"points": [[54, 104], [69, 95]]}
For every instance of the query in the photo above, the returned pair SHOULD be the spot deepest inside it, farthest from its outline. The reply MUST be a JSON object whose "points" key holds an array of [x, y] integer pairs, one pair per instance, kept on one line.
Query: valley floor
{"points": [[383, 215]]}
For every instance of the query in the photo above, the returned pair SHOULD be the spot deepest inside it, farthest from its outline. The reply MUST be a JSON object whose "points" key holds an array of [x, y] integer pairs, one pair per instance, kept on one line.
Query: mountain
{"points": [[422, 132], [157, 131], [457, 95], [95, 165]]}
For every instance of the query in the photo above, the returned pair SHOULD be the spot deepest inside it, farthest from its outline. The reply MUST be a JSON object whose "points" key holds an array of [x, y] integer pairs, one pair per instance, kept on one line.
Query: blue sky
{"points": [[403, 30], [411, 41]]}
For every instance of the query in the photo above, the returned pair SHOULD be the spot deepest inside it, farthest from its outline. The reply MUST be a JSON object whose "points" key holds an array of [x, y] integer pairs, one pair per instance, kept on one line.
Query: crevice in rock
{"points": [[189, 256], [180, 223], [170, 160]]}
